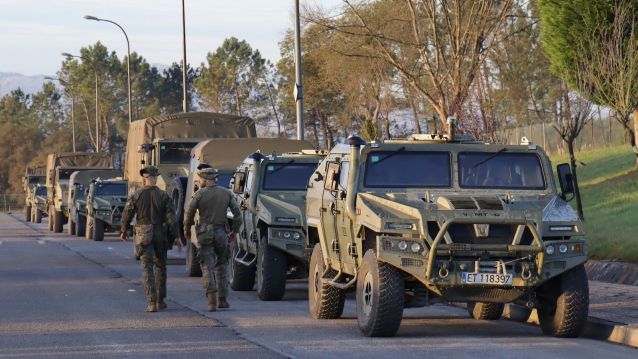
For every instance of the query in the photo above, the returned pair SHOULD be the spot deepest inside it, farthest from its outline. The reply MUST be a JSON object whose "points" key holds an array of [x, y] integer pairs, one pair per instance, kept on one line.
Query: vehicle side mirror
{"points": [[319, 177], [238, 182], [565, 179]]}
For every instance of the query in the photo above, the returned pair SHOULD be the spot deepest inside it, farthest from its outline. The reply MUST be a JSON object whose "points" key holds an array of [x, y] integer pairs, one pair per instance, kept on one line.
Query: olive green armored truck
{"points": [[271, 191], [60, 166], [224, 154], [38, 202], [105, 201], [76, 201], [166, 141], [33, 176], [432, 218]]}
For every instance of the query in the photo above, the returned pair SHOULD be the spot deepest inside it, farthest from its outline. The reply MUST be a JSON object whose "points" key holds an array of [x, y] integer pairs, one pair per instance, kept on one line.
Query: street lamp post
{"points": [[128, 61], [184, 83], [97, 102], [68, 88], [298, 83]]}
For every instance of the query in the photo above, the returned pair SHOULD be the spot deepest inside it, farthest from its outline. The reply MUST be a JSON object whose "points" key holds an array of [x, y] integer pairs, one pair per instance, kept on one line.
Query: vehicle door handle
{"points": [[333, 209]]}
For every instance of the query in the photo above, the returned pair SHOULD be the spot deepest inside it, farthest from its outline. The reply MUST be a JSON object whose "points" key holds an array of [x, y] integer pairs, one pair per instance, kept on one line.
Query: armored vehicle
{"points": [[33, 176], [105, 201], [444, 218], [166, 142], [271, 191], [224, 154], [60, 166], [76, 202], [38, 202]]}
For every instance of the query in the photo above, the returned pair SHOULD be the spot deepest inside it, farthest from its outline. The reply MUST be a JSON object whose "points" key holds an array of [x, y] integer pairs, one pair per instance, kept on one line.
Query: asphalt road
{"points": [[63, 297]]}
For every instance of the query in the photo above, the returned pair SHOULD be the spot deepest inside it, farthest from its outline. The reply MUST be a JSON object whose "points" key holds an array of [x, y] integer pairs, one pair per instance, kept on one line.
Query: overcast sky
{"points": [[33, 33]]}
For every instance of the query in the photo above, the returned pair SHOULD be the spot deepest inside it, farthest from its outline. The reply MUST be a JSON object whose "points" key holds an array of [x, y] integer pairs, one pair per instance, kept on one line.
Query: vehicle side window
{"points": [[249, 181], [343, 175], [332, 176], [239, 182]]}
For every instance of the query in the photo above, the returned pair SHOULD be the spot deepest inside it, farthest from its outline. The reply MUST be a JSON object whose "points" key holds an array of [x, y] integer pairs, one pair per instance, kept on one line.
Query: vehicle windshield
{"points": [[223, 180], [408, 169], [110, 189], [41, 191], [35, 180], [65, 174], [175, 152], [288, 176], [510, 170]]}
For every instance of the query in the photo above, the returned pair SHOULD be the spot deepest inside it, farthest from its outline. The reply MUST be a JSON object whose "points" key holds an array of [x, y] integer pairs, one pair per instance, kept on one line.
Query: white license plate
{"points": [[486, 278]]}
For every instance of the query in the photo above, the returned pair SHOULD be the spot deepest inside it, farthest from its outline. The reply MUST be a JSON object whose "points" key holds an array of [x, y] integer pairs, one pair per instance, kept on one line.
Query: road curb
{"points": [[595, 328]]}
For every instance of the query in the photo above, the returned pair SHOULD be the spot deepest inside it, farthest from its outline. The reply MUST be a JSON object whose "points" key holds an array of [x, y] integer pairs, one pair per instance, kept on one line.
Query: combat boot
{"points": [[161, 304], [152, 307], [212, 302], [223, 303]]}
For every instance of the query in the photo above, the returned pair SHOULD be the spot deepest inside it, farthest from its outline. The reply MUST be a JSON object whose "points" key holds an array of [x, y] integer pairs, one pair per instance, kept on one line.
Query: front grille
{"points": [[498, 234], [411, 262]]}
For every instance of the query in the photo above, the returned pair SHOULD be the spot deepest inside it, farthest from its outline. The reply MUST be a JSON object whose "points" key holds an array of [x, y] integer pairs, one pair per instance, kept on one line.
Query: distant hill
{"points": [[10, 81]]}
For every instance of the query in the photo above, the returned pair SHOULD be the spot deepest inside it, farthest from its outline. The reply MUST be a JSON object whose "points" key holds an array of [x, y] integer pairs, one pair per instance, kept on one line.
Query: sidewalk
{"points": [[613, 313]]}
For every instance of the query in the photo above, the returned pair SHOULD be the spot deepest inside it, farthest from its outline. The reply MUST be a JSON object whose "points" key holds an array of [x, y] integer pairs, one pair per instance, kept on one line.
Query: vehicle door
{"points": [[329, 211], [342, 223]]}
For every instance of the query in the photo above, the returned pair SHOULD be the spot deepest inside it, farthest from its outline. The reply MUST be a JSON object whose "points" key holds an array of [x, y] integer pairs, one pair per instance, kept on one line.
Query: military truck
{"points": [[33, 176], [432, 218], [38, 202], [76, 202], [225, 154], [60, 166], [270, 244], [105, 201], [166, 142]]}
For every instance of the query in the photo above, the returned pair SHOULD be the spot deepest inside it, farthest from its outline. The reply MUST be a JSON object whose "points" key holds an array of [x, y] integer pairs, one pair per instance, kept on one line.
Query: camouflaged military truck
{"points": [[433, 218], [105, 201], [33, 176], [38, 202], [76, 202], [60, 166], [224, 154], [271, 191]]}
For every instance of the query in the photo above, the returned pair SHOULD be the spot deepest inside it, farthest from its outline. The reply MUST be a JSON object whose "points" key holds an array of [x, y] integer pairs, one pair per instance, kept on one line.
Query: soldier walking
{"points": [[212, 202], [155, 227]]}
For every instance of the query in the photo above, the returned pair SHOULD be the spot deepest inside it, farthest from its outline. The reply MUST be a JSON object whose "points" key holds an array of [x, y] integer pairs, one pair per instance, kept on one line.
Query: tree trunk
{"points": [[634, 138], [572, 160]]}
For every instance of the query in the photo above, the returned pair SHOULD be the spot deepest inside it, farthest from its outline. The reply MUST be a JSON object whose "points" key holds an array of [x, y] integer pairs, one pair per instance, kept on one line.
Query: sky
{"points": [[35, 32]]}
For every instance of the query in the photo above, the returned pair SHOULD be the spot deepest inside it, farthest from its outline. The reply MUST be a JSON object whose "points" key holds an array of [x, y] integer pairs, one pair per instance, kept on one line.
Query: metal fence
{"points": [[12, 203]]}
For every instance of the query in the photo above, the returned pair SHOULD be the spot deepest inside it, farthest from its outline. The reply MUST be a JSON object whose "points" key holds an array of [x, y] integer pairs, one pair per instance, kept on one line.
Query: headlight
{"points": [[561, 228], [549, 250], [562, 248], [286, 235], [296, 235], [415, 247], [286, 219], [403, 245], [403, 226]]}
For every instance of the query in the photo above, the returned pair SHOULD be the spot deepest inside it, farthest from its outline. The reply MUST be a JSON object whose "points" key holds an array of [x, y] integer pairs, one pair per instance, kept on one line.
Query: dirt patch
{"points": [[612, 272]]}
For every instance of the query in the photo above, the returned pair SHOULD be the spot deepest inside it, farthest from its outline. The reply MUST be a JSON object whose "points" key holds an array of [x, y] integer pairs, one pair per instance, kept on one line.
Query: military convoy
{"points": [[79, 186], [403, 223], [271, 191], [408, 223], [59, 168], [33, 176]]}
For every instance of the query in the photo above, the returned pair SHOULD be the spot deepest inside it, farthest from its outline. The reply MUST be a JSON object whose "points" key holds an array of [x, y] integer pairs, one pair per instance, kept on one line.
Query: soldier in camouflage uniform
{"points": [[155, 226], [212, 202]]}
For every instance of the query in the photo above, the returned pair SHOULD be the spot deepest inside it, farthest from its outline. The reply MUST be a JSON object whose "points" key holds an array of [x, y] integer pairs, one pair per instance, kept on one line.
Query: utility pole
{"points": [[184, 83], [298, 81]]}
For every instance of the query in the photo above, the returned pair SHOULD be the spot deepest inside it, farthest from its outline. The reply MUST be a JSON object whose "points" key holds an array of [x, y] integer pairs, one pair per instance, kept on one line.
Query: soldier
{"points": [[155, 226], [212, 202]]}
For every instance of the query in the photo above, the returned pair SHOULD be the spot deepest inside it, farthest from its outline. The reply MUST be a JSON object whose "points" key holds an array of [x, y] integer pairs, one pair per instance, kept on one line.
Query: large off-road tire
{"points": [[380, 296], [27, 213], [177, 190], [58, 222], [272, 266], [80, 227], [37, 216], [324, 300], [70, 228], [485, 311], [564, 304], [88, 230], [241, 277], [193, 268], [98, 230], [51, 217]]}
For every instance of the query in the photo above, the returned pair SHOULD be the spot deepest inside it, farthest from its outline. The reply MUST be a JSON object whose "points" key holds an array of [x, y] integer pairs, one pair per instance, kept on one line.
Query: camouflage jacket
{"points": [[149, 205], [212, 203]]}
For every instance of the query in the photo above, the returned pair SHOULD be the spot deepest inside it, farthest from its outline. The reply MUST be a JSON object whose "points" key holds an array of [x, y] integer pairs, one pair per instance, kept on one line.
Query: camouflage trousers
{"points": [[213, 259], [153, 259]]}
